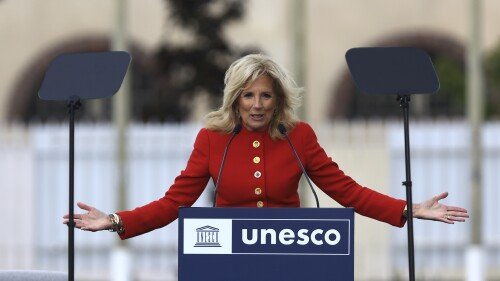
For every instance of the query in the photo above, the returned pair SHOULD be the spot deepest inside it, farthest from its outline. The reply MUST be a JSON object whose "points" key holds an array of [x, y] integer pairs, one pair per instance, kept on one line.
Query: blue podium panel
{"points": [[266, 244]]}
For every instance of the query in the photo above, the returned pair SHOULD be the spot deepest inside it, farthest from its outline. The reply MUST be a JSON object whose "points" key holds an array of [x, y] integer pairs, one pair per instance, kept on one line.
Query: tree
{"points": [[185, 71]]}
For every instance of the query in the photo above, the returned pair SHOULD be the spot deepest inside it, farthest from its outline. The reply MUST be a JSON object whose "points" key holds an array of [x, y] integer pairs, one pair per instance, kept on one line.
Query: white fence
{"points": [[157, 153], [34, 192], [439, 162]]}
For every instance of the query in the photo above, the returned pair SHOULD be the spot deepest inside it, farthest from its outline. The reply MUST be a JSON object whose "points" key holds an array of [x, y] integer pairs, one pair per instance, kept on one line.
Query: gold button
{"points": [[256, 144], [260, 204], [256, 160], [258, 191], [257, 174]]}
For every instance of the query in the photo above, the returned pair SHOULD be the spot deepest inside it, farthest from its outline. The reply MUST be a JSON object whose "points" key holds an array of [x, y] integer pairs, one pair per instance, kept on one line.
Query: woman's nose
{"points": [[257, 102]]}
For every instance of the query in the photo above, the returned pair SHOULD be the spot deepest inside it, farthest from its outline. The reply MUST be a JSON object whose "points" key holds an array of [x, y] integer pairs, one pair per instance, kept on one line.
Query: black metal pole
{"points": [[73, 105], [404, 102]]}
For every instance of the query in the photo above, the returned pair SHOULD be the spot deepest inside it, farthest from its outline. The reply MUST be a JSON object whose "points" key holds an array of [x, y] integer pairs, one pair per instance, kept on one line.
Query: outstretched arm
{"points": [[93, 220], [431, 209]]}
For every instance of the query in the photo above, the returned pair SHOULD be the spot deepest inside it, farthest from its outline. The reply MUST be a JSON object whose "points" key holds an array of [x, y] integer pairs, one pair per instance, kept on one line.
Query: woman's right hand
{"points": [[93, 220]]}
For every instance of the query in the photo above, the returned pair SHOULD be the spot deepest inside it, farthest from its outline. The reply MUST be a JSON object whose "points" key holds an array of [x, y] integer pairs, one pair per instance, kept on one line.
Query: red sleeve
{"points": [[186, 189], [326, 174]]}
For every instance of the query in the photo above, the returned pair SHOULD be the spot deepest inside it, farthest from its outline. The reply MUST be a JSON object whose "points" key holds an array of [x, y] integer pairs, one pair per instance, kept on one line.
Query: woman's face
{"points": [[257, 103]]}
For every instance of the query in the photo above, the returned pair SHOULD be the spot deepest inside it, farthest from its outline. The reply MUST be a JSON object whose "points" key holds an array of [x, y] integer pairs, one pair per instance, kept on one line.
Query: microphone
{"points": [[283, 131], [236, 131]]}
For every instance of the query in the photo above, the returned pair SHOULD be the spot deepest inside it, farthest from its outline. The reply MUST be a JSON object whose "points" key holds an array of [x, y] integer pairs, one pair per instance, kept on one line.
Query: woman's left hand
{"points": [[431, 209]]}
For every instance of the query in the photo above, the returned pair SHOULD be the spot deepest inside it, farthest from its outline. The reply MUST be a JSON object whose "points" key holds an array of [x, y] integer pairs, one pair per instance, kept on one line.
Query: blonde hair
{"points": [[248, 69]]}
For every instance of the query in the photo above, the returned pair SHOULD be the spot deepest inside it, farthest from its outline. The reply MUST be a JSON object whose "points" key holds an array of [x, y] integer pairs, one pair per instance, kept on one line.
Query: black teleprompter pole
{"points": [[73, 105], [404, 103]]}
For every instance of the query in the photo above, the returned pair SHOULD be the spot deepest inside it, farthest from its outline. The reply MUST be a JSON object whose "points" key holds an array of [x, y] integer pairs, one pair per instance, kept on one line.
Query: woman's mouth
{"points": [[257, 117]]}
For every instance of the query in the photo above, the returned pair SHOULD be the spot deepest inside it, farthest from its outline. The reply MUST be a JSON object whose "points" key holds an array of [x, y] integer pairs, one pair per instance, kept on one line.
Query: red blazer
{"points": [[259, 172]]}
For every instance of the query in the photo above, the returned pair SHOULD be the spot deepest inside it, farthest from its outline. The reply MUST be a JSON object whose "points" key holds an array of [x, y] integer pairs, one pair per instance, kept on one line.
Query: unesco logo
{"points": [[207, 236], [267, 236]]}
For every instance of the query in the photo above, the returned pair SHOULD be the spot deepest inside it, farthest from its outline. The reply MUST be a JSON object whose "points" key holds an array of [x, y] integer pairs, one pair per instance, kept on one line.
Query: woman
{"points": [[260, 168]]}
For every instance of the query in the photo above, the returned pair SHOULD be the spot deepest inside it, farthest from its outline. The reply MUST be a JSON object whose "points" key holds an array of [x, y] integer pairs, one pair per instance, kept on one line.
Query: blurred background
{"points": [[129, 148]]}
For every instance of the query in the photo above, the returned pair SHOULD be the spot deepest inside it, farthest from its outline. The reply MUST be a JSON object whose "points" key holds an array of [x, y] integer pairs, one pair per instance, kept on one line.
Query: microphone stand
{"points": [[404, 103], [283, 131], [236, 131]]}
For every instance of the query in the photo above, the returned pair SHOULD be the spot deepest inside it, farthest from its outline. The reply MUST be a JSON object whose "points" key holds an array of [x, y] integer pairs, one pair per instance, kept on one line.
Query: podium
{"points": [[266, 244]]}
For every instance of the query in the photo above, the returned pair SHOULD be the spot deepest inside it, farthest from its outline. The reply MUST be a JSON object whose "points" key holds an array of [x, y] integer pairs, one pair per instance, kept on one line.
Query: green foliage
{"points": [[492, 67], [492, 75], [450, 99]]}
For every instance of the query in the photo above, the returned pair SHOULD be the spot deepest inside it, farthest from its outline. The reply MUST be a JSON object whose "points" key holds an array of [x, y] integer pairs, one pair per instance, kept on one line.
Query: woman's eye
{"points": [[267, 95], [247, 95]]}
